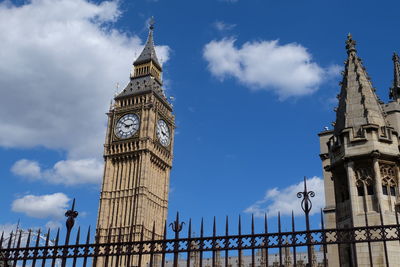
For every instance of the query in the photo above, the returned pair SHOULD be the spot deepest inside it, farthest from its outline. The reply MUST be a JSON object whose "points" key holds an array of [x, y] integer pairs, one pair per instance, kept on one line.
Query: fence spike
{"points": [[294, 241], [252, 224], [96, 248], [48, 236], [76, 249], [190, 228], [265, 223], [28, 241], [214, 242], [240, 225], [226, 225], [397, 222], [141, 245], [383, 235], [78, 235], [45, 251], [107, 249], [323, 236], [202, 227], [201, 242], [35, 250], [240, 241], [164, 245], [280, 241], [165, 229], [129, 247], [19, 238], [226, 243], [214, 227], [266, 240], [53, 262], [9, 244], [118, 247], [57, 237], [86, 251], [88, 236], [153, 237], [1, 239], [252, 241], [189, 244]]}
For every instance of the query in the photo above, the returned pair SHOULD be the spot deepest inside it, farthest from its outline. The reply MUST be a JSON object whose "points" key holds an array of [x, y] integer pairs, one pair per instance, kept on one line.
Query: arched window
{"points": [[389, 180]]}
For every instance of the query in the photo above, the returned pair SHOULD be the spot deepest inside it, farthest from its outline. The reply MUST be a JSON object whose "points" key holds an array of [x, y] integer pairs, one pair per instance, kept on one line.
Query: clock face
{"points": [[127, 126], [163, 133]]}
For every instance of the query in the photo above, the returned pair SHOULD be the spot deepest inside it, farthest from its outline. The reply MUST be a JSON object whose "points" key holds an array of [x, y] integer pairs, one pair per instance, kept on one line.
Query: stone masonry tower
{"points": [[360, 157], [138, 155]]}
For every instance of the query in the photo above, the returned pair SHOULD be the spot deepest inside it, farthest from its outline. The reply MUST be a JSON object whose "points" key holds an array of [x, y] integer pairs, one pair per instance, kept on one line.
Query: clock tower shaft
{"points": [[138, 155]]}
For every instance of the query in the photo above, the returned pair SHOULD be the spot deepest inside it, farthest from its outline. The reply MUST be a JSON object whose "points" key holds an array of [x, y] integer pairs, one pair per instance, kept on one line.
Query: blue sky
{"points": [[254, 81]]}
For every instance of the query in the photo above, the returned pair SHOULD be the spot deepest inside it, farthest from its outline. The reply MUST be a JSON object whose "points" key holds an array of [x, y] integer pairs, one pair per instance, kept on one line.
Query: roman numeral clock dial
{"points": [[163, 133], [127, 126]]}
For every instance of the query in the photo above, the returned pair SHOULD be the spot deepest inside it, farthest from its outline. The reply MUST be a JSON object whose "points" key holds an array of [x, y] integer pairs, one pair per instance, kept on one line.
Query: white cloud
{"points": [[67, 172], [53, 225], [44, 206], [334, 70], [7, 228], [59, 63], [223, 26], [287, 69], [285, 200], [26, 168]]}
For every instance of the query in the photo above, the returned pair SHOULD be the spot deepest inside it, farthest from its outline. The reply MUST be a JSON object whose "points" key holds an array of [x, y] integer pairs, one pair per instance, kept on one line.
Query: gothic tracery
{"points": [[364, 175], [388, 175]]}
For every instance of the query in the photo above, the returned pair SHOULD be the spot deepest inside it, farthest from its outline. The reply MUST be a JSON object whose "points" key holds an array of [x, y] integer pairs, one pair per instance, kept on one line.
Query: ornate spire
{"points": [[358, 103], [394, 93], [149, 53], [350, 44], [147, 72]]}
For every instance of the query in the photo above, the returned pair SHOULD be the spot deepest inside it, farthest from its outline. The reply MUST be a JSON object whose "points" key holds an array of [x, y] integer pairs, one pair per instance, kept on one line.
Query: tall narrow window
{"points": [[392, 191], [370, 190], [384, 190], [360, 190]]}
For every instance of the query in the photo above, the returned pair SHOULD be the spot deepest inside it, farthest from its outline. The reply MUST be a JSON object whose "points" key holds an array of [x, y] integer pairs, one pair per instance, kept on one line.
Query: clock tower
{"points": [[138, 155]]}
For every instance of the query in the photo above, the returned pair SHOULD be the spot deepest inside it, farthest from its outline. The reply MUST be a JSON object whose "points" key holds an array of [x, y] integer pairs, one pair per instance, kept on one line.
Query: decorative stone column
{"points": [[351, 179], [378, 182], [397, 203]]}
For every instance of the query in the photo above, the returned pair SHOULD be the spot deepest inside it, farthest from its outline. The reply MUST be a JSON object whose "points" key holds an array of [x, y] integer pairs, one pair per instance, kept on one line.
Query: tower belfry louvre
{"points": [[360, 157], [138, 153]]}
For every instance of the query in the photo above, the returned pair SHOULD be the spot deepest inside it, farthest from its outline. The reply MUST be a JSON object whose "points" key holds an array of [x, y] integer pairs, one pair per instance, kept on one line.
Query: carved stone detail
{"points": [[364, 175], [388, 174]]}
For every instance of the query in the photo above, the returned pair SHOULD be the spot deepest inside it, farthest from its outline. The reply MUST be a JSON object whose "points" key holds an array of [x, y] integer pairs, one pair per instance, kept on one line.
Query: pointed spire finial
{"points": [[149, 53], [394, 93], [151, 23], [395, 57], [350, 44]]}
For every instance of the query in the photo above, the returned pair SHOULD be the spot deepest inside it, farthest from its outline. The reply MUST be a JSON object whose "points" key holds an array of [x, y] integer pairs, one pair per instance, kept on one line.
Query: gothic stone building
{"points": [[360, 159], [138, 156]]}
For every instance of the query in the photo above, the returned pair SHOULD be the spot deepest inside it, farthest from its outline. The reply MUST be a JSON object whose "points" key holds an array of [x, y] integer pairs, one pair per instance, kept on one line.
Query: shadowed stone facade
{"points": [[360, 159], [138, 157]]}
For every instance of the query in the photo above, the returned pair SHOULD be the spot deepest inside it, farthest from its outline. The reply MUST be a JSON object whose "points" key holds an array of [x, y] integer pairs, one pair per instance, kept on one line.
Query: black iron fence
{"points": [[280, 248]]}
